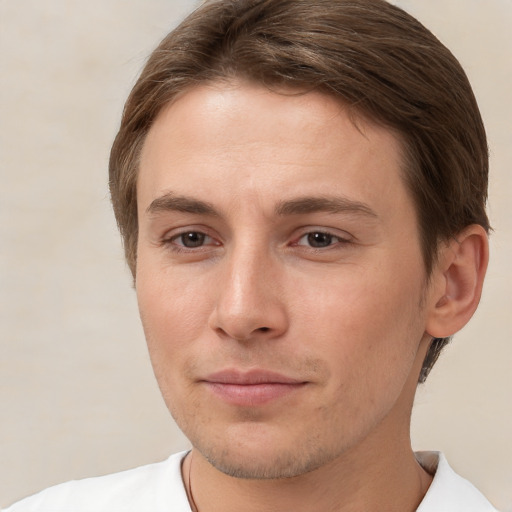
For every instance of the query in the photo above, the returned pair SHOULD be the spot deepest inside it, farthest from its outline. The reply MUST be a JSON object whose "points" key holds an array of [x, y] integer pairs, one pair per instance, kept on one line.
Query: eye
{"points": [[192, 239], [320, 240]]}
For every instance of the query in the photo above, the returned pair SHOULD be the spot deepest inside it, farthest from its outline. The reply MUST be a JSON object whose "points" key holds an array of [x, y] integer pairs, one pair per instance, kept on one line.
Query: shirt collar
{"points": [[448, 491]]}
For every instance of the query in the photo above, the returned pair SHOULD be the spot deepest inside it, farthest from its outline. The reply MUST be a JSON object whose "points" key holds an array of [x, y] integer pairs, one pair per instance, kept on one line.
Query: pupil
{"points": [[319, 239], [192, 239]]}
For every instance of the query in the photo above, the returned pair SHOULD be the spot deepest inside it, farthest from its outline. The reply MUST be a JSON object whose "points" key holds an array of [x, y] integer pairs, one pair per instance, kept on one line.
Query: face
{"points": [[279, 278]]}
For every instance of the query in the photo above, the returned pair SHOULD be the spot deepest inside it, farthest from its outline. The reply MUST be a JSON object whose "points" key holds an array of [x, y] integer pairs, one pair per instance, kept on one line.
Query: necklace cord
{"points": [[191, 500]]}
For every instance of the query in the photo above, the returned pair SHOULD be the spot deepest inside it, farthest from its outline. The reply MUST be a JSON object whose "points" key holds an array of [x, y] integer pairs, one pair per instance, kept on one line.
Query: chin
{"points": [[265, 460]]}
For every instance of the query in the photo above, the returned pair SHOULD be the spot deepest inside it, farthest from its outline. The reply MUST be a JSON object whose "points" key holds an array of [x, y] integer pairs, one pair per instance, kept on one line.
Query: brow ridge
{"points": [[185, 204], [297, 206], [329, 204]]}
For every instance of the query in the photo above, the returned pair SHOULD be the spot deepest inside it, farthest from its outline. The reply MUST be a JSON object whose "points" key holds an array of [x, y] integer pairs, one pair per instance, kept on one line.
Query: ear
{"points": [[457, 280]]}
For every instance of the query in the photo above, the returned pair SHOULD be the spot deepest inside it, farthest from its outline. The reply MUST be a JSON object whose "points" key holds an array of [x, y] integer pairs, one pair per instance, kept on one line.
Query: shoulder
{"points": [[155, 487], [449, 492]]}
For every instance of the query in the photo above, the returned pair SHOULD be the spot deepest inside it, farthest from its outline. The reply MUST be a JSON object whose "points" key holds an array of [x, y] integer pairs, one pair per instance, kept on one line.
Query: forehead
{"points": [[263, 110], [241, 137]]}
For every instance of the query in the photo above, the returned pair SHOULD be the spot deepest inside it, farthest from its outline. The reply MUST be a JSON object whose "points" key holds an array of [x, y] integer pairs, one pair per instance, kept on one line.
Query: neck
{"points": [[390, 479]]}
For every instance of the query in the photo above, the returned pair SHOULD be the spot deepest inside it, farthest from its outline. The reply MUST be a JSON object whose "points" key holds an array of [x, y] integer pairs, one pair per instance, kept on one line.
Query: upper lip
{"points": [[251, 377]]}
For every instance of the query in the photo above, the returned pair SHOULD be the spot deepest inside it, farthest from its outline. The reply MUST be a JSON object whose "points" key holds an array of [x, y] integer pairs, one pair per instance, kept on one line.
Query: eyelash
{"points": [[328, 235], [331, 239], [177, 247]]}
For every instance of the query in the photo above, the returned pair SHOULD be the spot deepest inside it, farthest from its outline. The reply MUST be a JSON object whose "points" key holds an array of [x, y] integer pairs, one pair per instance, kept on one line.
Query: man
{"points": [[300, 186]]}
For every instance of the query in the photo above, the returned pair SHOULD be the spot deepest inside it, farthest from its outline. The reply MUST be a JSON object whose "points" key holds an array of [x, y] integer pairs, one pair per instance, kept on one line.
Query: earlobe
{"points": [[458, 280]]}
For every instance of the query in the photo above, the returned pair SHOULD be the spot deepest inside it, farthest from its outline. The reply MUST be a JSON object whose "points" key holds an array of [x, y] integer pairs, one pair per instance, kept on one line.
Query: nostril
{"points": [[264, 329]]}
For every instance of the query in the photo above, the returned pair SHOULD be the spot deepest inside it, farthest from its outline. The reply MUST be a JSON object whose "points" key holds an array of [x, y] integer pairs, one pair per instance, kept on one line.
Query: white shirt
{"points": [[159, 488], [448, 491]]}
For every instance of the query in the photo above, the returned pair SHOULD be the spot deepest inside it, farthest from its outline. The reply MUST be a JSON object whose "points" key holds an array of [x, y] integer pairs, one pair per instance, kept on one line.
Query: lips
{"points": [[253, 388]]}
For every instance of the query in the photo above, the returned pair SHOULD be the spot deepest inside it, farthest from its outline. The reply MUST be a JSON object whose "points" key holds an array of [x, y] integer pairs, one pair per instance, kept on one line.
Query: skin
{"points": [[330, 292]]}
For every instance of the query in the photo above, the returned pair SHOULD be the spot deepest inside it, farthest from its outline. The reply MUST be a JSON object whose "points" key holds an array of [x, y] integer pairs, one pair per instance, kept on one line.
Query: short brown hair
{"points": [[371, 55]]}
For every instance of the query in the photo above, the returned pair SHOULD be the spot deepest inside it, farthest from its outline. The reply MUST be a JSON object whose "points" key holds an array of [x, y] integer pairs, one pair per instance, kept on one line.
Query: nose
{"points": [[250, 301]]}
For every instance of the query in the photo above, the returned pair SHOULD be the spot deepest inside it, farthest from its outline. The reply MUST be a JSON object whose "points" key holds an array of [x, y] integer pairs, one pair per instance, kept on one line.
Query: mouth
{"points": [[253, 388]]}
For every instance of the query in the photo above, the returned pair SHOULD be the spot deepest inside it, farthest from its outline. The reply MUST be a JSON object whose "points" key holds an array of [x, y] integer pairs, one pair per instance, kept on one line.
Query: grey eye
{"points": [[319, 239], [192, 239]]}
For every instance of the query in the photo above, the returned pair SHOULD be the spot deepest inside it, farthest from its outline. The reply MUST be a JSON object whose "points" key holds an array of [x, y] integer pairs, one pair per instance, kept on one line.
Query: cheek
{"points": [[362, 319], [170, 320], [169, 301], [359, 297], [174, 313]]}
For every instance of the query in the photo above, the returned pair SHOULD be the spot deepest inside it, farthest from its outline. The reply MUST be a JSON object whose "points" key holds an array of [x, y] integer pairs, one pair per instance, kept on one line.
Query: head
{"points": [[369, 55], [384, 70]]}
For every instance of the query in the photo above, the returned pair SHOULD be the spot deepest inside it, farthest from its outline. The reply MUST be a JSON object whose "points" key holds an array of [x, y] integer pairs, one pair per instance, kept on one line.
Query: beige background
{"points": [[77, 393]]}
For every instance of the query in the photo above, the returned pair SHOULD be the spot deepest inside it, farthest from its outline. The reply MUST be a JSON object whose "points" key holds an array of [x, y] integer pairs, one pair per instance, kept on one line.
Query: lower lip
{"points": [[248, 395]]}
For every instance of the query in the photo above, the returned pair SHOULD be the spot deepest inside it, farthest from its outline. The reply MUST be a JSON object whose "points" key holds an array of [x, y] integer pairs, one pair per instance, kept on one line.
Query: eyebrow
{"points": [[335, 204], [172, 202], [298, 206]]}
